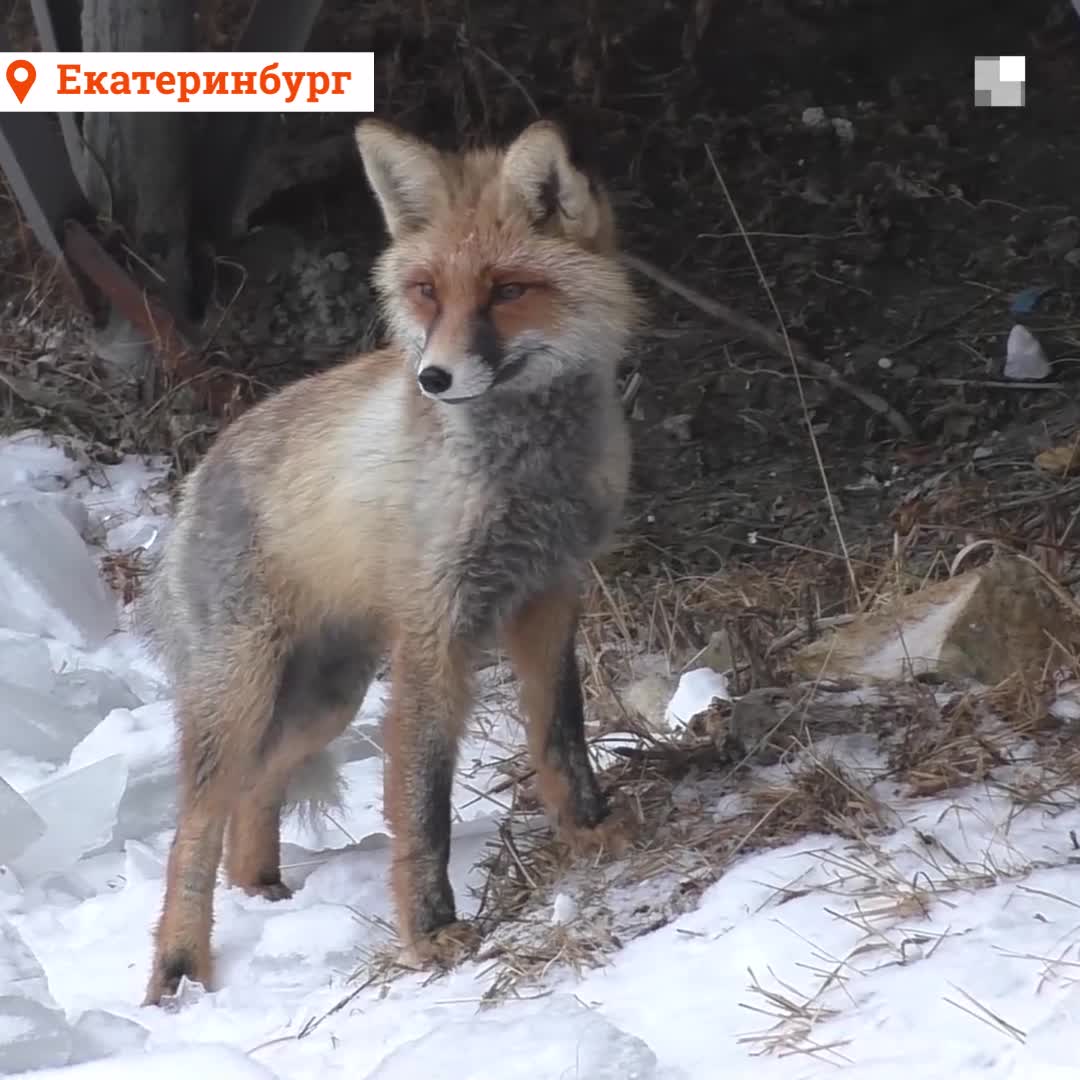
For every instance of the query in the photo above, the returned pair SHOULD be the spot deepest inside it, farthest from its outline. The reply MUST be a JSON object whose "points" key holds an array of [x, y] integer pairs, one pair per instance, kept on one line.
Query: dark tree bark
{"points": [[136, 169]]}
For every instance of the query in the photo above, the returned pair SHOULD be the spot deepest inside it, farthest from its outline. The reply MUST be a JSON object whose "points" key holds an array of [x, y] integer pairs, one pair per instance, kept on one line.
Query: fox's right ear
{"points": [[404, 173]]}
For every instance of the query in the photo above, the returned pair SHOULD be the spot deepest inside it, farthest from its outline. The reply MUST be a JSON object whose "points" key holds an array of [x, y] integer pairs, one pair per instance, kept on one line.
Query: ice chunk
{"points": [[32, 1036], [207, 1060], [565, 1039], [47, 713], [32, 460], [72, 507], [21, 973], [132, 535], [148, 737], [98, 691], [20, 826], [38, 726], [26, 661], [49, 584], [99, 1034], [141, 863], [79, 809]]}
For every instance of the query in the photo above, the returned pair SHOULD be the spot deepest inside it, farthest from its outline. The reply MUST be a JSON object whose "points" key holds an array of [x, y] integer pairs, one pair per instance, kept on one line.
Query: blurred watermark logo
{"points": [[999, 80]]}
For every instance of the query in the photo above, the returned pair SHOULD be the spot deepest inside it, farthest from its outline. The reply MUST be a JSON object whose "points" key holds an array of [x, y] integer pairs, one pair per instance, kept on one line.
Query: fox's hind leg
{"points": [[253, 841], [253, 850], [540, 642], [324, 678], [216, 727]]}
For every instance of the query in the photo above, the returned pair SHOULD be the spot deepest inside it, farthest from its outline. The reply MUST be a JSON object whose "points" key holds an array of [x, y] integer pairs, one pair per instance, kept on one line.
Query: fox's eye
{"points": [[425, 289], [510, 291]]}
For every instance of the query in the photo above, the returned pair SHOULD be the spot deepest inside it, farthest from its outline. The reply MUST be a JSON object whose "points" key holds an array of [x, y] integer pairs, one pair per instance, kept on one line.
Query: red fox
{"points": [[425, 501]]}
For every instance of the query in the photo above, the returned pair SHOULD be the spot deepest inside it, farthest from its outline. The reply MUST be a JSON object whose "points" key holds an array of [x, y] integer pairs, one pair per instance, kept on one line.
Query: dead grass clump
{"points": [[822, 796], [942, 747], [124, 572], [1024, 705]]}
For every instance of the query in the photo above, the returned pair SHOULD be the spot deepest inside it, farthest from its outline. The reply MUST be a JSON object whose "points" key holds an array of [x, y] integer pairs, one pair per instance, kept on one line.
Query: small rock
{"points": [[1064, 237], [679, 426], [987, 624], [717, 654], [765, 723], [815, 118], [844, 129]]}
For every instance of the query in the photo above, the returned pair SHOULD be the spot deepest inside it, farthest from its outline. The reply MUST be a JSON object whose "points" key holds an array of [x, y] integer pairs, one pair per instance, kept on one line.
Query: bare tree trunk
{"points": [[137, 166]]}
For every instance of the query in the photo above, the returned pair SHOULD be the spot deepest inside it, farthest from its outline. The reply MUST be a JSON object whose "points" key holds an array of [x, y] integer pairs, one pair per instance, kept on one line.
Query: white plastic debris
{"points": [[695, 694], [815, 118], [49, 584], [1024, 356]]}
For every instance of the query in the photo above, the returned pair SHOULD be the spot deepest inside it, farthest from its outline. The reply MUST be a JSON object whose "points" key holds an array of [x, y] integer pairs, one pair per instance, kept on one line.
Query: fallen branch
{"points": [[770, 340]]}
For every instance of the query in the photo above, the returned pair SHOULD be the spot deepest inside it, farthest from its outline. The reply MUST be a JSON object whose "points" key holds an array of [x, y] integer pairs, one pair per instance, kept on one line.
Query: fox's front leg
{"points": [[540, 641], [428, 706]]}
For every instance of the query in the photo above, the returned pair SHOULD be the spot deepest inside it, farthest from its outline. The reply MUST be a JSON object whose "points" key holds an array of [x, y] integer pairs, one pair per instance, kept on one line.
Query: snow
{"points": [[945, 946], [694, 693]]}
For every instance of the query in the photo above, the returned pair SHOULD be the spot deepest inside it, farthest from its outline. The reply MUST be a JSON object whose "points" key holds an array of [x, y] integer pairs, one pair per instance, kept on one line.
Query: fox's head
{"points": [[501, 274]]}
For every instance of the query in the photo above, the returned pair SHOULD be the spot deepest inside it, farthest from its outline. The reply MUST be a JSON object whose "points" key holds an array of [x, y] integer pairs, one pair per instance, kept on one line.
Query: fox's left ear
{"points": [[537, 169], [404, 173]]}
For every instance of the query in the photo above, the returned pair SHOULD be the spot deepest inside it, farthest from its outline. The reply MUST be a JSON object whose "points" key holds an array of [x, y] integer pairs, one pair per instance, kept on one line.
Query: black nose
{"points": [[435, 380]]}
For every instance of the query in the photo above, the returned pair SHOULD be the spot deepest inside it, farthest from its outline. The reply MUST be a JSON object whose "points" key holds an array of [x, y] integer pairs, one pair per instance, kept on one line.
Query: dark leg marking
{"points": [[566, 750]]}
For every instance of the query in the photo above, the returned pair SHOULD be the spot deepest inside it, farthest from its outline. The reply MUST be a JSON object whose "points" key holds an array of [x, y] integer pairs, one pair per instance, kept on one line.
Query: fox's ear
{"points": [[404, 173], [537, 168]]}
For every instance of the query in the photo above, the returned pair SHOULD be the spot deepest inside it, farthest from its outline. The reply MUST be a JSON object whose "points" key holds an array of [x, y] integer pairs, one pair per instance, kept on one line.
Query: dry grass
{"points": [[820, 797]]}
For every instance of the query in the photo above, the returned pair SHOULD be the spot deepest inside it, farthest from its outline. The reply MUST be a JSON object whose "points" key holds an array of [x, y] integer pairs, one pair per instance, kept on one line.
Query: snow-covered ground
{"points": [[943, 949]]}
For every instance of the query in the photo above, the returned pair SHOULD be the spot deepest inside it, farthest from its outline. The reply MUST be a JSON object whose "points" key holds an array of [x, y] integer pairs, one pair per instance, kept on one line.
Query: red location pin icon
{"points": [[20, 77]]}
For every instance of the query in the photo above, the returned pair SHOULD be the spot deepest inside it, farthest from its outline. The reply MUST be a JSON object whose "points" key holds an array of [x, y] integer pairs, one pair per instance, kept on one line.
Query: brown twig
{"points": [[941, 327], [769, 339]]}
